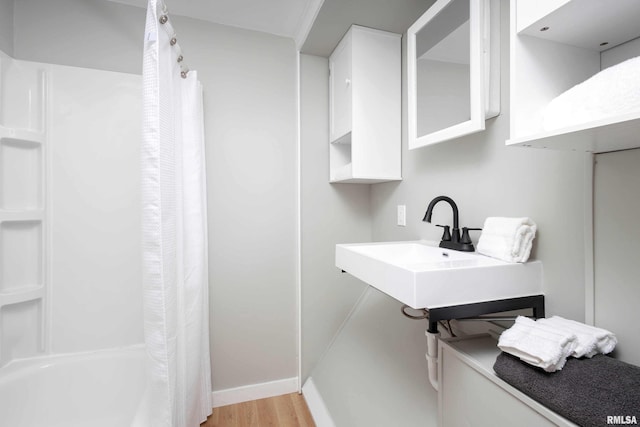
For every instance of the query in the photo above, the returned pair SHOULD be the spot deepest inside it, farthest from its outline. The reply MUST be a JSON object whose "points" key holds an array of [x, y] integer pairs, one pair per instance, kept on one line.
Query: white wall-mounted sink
{"points": [[422, 275]]}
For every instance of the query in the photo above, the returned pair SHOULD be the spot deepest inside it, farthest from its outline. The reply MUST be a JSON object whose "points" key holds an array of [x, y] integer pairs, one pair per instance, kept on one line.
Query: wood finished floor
{"points": [[289, 410]]}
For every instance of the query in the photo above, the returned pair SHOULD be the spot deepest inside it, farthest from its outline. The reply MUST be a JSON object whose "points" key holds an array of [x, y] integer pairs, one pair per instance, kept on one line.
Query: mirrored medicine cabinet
{"points": [[453, 80]]}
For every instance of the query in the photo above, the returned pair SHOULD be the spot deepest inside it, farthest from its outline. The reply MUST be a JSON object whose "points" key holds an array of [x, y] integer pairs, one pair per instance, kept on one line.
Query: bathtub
{"points": [[98, 389]]}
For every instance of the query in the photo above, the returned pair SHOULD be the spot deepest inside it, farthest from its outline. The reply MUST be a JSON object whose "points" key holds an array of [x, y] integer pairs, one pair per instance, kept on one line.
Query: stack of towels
{"points": [[547, 343], [614, 91], [508, 239]]}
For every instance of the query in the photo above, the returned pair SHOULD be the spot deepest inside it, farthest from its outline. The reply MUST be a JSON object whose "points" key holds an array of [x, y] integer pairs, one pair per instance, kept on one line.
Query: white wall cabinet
{"points": [[470, 391], [365, 106], [558, 44]]}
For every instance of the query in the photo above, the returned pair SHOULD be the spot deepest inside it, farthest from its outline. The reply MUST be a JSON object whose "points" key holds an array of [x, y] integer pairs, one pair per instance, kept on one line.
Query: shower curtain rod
{"points": [[166, 24]]}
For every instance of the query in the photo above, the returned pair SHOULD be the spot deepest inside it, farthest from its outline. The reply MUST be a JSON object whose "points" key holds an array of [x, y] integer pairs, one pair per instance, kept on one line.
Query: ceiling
{"points": [[315, 25], [336, 16], [287, 18]]}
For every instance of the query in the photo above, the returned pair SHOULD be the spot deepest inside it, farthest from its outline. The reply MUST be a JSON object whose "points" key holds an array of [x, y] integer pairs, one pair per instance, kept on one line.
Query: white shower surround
{"points": [[68, 326]]}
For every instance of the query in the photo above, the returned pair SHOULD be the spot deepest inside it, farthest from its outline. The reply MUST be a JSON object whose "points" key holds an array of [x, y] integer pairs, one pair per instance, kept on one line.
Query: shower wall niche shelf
{"points": [[23, 295], [21, 178], [22, 283], [25, 135], [23, 211], [556, 45], [364, 107], [21, 260]]}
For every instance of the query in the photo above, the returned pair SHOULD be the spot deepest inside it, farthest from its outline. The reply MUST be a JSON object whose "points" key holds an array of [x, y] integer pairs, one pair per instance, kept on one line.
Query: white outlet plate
{"points": [[402, 215]]}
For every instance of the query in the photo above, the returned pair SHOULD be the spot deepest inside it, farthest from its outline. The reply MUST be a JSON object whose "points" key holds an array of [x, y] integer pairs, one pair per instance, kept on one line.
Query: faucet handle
{"points": [[446, 236], [465, 234]]}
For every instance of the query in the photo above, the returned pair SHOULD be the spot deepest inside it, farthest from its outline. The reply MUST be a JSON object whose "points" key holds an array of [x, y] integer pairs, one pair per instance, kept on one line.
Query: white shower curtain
{"points": [[175, 272]]}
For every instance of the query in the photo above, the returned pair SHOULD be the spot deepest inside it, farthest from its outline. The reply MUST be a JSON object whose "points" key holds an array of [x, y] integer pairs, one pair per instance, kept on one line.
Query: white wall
{"points": [[250, 115], [331, 213], [249, 81], [616, 235], [6, 26], [375, 373]]}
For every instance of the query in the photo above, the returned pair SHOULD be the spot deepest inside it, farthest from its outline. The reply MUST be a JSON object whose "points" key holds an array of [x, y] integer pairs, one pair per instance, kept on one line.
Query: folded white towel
{"points": [[613, 91], [508, 239], [537, 344], [590, 339]]}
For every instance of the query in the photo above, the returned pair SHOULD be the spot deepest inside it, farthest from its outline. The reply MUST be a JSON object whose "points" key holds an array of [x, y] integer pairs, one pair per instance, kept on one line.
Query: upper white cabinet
{"points": [[574, 79], [364, 103], [453, 62]]}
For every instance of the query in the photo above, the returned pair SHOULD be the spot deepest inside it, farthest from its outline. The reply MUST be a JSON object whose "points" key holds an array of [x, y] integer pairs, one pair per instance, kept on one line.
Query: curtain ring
{"points": [[180, 58], [184, 73], [164, 19], [173, 41]]}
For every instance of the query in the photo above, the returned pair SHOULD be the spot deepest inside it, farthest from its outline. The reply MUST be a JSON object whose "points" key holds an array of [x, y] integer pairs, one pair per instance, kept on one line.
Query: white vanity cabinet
{"points": [[365, 105], [472, 395], [558, 44]]}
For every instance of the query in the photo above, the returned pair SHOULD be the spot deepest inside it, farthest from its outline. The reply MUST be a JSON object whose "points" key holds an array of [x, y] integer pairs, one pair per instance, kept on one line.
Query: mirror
{"points": [[447, 71]]}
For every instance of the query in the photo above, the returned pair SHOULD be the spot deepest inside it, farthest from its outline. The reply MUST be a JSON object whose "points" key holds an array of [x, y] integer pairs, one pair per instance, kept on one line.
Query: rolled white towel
{"points": [[590, 339], [537, 344], [508, 239], [585, 342]]}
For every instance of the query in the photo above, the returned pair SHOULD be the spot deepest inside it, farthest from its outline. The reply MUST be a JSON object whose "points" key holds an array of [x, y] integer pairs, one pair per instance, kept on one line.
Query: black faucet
{"points": [[451, 239]]}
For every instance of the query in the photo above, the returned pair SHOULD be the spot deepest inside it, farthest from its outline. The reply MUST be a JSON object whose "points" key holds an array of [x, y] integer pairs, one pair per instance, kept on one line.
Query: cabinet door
{"points": [[452, 80], [340, 89], [468, 398]]}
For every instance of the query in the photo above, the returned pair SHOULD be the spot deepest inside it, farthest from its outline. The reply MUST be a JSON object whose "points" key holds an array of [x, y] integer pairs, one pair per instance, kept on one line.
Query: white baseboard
{"points": [[317, 407], [254, 392]]}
